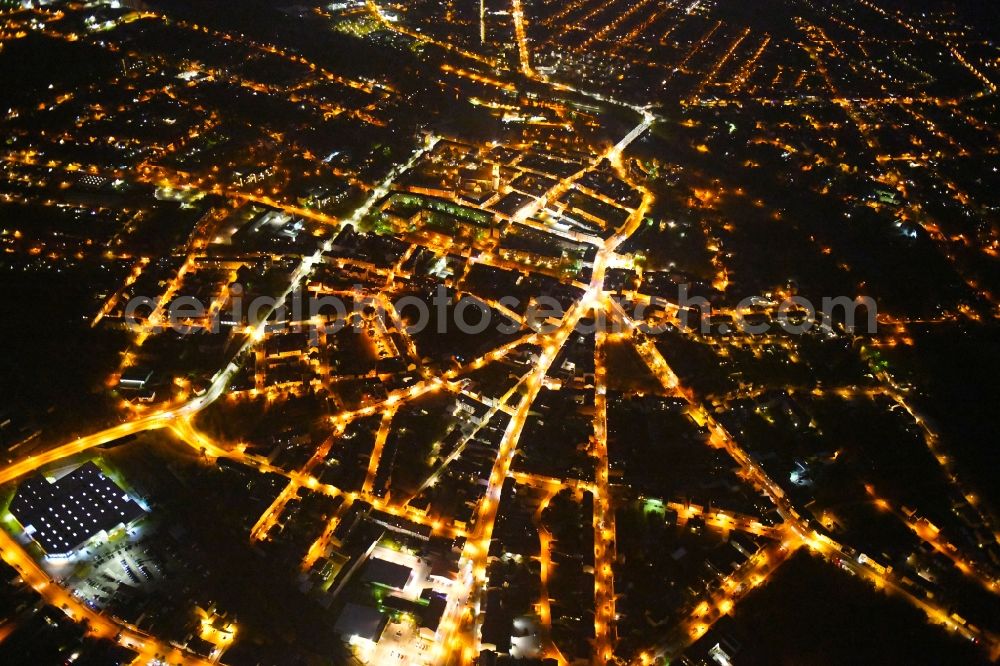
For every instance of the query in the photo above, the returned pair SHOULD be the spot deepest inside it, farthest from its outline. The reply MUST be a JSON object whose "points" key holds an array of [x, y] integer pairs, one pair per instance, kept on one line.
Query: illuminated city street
{"points": [[479, 332]]}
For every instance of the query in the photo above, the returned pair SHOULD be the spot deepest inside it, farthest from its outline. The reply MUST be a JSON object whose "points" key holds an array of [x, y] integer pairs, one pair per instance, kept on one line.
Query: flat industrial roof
{"points": [[386, 573], [65, 513], [362, 621]]}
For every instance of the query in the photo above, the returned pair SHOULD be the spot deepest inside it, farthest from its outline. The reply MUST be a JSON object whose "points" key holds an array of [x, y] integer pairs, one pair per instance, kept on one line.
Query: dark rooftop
{"points": [[386, 573], [64, 514], [361, 621]]}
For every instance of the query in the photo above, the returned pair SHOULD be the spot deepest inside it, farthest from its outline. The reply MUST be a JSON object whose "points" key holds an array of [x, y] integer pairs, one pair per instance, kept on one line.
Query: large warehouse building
{"points": [[63, 514]]}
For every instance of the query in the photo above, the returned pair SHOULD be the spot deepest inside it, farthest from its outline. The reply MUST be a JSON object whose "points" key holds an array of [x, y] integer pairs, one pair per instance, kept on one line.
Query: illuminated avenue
{"points": [[731, 402]]}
